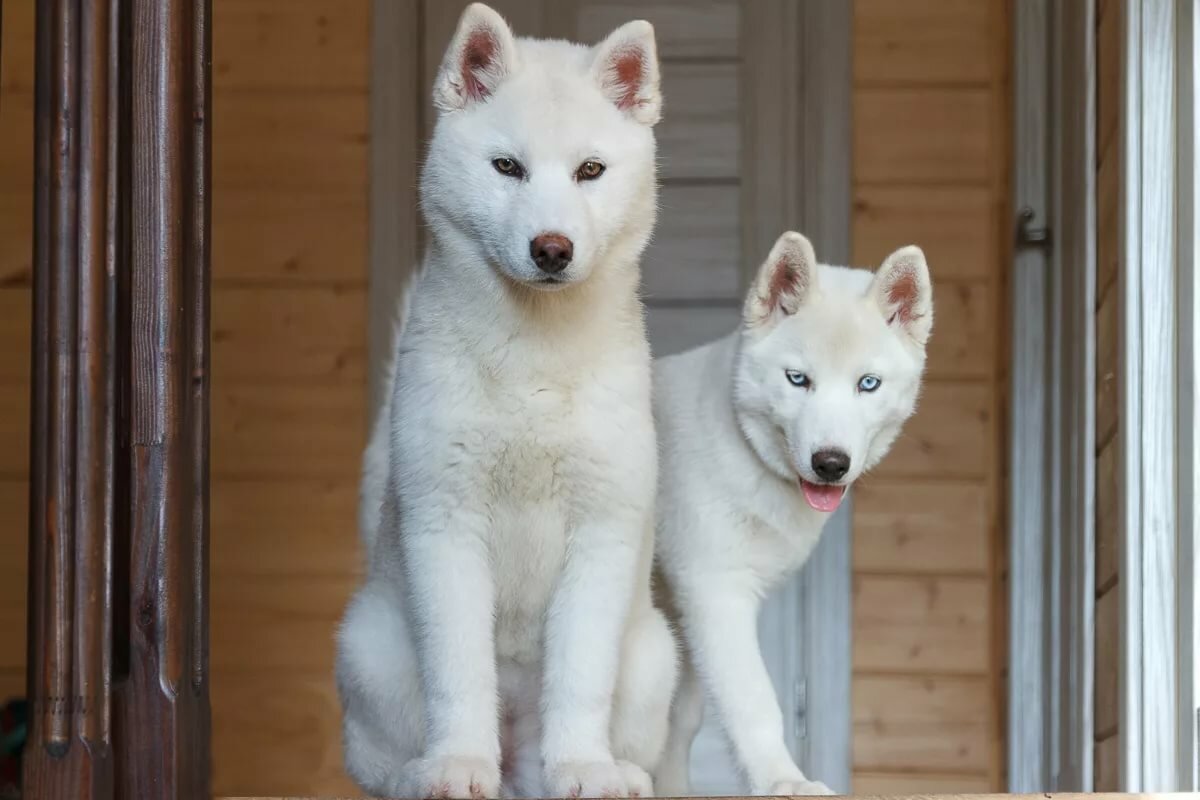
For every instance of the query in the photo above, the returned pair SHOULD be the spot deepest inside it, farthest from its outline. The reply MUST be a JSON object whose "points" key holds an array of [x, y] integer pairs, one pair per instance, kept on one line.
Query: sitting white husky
{"points": [[505, 632], [760, 435]]}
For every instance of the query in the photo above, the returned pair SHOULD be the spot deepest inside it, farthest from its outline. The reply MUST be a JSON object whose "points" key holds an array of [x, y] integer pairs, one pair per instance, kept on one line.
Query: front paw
{"points": [[452, 777], [798, 788], [597, 779]]}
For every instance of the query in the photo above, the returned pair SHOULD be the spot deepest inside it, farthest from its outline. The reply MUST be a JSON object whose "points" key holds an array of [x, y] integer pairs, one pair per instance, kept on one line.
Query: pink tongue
{"points": [[822, 497]]}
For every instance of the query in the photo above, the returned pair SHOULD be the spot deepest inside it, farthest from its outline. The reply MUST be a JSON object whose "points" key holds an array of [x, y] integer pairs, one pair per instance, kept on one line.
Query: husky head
{"points": [[829, 364], [542, 163]]}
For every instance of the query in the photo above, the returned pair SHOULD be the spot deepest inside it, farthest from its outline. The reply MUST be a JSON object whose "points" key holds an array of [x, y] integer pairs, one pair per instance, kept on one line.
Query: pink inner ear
{"points": [[785, 280], [478, 55], [628, 66], [902, 293]]}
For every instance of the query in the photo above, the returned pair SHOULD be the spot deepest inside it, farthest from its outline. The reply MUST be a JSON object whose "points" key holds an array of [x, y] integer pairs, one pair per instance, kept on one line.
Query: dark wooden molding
{"points": [[118, 625]]}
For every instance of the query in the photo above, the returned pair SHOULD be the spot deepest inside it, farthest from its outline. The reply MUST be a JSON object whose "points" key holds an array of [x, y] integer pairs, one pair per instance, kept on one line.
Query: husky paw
{"points": [[452, 778], [593, 779], [798, 788]]}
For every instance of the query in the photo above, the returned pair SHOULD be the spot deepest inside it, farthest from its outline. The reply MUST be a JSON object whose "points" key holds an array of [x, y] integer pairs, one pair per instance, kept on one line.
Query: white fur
{"points": [[508, 489], [735, 437]]}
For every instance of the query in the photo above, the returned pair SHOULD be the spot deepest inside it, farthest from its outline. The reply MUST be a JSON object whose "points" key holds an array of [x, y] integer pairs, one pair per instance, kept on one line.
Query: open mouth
{"points": [[824, 497]]}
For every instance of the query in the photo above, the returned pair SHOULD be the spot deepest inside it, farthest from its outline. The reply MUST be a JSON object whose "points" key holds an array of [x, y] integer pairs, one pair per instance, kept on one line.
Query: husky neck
{"points": [[606, 304]]}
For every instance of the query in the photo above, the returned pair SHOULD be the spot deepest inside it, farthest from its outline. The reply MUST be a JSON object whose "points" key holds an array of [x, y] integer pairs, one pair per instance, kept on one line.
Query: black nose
{"points": [[551, 252], [830, 465]]}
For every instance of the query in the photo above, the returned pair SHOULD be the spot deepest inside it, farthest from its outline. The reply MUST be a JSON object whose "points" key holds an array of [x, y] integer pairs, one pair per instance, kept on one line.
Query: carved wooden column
{"points": [[118, 626]]}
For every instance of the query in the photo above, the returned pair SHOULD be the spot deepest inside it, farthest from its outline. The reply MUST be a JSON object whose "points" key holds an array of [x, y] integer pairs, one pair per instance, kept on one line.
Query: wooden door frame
{"points": [[118, 540], [1051, 509]]}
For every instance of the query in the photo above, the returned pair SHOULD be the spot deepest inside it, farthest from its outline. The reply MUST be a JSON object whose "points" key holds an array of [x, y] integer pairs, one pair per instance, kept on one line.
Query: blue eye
{"points": [[796, 378], [868, 383]]}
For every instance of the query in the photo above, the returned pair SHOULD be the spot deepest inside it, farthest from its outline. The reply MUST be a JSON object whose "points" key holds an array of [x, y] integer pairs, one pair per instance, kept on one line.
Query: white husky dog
{"points": [[505, 634], [760, 434]]}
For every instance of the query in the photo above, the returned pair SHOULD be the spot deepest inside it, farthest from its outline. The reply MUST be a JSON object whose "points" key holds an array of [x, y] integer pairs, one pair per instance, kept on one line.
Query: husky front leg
{"points": [[586, 624], [720, 619], [450, 594]]}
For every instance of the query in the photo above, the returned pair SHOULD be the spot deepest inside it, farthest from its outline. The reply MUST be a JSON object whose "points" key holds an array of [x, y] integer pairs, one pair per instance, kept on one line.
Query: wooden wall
{"points": [[289, 329], [1108, 295], [290, 136], [931, 166]]}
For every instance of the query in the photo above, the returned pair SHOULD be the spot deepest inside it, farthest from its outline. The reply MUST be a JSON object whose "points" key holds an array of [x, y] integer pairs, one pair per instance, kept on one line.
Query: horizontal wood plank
{"points": [[955, 226], [14, 529], [1108, 523], [14, 431], [673, 330], [872, 783], [257, 44], [1108, 79], [12, 684], [921, 723], [277, 734], [295, 334], [298, 44], [16, 310], [13, 625], [279, 433], [298, 528], [695, 251], [1108, 246], [942, 135], [920, 527], [923, 41], [921, 624], [284, 623], [1108, 382], [950, 436], [682, 28], [16, 230], [290, 142], [699, 136], [1108, 662], [964, 331], [262, 234]]}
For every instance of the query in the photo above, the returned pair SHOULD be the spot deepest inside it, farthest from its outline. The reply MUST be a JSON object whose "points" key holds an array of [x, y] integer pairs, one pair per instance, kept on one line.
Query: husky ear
{"points": [[482, 52], [626, 67], [904, 293], [785, 280]]}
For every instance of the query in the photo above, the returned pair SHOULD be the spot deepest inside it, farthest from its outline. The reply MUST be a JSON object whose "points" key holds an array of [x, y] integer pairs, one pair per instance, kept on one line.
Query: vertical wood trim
{"points": [[796, 173], [1188, 410], [396, 98], [1073, 379], [1029, 552], [1148, 676]]}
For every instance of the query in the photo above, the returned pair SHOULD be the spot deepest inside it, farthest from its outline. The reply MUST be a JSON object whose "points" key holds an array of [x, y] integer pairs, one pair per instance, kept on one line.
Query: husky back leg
{"points": [[672, 779]]}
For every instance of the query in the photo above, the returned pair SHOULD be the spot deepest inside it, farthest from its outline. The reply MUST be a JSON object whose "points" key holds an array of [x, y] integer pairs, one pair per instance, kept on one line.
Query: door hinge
{"points": [[1027, 234]]}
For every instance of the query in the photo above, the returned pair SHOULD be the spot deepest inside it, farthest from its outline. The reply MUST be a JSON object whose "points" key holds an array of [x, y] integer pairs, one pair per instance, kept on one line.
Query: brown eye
{"points": [[589, 171], [509, 167]]}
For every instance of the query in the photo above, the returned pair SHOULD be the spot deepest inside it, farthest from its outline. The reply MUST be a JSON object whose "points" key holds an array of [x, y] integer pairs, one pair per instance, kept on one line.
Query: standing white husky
{"points": [[505, 631], [760, 433]]}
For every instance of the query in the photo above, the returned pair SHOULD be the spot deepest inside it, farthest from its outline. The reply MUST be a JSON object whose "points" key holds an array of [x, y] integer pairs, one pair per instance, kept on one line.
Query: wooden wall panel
{"points": [[1106, 754], [931, 167]]}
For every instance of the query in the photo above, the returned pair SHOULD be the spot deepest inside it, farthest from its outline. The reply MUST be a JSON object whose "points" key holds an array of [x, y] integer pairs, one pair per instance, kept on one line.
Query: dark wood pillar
{"points": [[118, 625]]}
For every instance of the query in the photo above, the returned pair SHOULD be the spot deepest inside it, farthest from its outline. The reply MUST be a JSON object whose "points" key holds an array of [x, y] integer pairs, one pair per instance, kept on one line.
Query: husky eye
{"points": [[797, 378], [589, 171], [869, 383], [509, 167]]}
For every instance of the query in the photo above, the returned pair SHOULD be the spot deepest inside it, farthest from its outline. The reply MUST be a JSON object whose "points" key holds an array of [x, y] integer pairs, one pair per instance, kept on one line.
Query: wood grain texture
{"points": [[921, 723], [869, 783], [922, 42], [948, 438], [1108, 519], [258, 45], [1108, 377], [964, 344], [281, 433], [16, 255], [923, 135], [1107, 762], [925, 624], [1108, 246], [1108, 663], [277, 735], [955, 226], [1108, 80], [921, 528]]}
